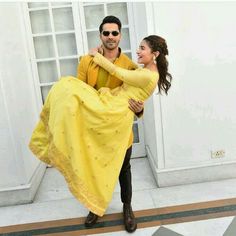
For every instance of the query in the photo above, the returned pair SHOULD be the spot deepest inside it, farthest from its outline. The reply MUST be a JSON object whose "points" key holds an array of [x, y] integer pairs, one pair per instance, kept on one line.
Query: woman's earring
{"points": [[154, 59]]}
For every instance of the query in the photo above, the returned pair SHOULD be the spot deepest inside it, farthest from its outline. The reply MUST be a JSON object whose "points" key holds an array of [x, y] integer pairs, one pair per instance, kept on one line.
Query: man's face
{"points": [[109, 37]]}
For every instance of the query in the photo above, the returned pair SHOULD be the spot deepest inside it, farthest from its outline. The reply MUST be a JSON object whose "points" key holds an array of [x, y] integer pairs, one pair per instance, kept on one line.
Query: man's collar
{"points": [[119, 50]]}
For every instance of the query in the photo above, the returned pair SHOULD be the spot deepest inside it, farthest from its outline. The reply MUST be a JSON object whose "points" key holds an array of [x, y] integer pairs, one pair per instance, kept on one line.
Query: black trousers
{"points": [[125, 178]]}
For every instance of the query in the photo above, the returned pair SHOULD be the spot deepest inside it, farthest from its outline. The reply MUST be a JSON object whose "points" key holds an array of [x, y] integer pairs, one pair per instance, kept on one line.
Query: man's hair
{"points": [[110, 19]]}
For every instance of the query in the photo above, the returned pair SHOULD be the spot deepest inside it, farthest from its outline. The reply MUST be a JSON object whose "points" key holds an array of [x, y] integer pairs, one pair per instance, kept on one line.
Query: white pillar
{"points": [[20, 171]]}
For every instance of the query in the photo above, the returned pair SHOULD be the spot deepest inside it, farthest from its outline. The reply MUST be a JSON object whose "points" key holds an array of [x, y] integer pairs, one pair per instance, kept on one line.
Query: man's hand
{"points": [[136, 106]]}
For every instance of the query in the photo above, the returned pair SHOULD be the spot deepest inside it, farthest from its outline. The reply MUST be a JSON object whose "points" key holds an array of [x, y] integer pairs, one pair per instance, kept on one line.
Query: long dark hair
{"points": [[157, 43]]}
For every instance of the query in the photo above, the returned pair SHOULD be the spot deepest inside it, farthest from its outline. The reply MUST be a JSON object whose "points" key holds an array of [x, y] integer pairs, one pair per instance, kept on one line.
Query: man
{"points": [[89, 72]]}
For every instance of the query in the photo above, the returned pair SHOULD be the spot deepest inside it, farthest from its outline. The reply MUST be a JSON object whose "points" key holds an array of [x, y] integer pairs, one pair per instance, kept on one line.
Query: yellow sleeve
{"points": [[138, 78], [81, 71]]}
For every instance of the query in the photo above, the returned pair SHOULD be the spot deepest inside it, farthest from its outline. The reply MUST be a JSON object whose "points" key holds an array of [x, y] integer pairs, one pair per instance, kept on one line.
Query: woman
{"points": [[84, 133]]}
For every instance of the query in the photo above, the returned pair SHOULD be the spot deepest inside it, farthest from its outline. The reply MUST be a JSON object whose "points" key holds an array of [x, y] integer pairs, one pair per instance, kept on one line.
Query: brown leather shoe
{"points": [[91, 219], [129, 218]]}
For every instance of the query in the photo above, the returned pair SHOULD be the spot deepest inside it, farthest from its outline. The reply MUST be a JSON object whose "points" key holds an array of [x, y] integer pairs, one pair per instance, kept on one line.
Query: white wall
{"points": [[18, 103], [7, 155], [199, 114]]}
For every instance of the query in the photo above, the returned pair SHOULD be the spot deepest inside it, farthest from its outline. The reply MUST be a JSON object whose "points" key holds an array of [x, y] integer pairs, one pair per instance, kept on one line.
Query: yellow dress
{"points": [[84, 133]]}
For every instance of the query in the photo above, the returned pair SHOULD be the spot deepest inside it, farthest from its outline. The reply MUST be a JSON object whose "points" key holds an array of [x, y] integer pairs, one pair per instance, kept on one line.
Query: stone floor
{"points": [[53, 201]]}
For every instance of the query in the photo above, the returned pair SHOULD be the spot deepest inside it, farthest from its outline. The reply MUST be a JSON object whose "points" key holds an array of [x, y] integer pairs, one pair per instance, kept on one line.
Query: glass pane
{"points": [[68, 67], [44, 47], [93, 16], [66, 44], [63, 19], [60, 3], [40, 21], [119, 10], [125, 39], [44, 92], [37, 4], [47, 71], [135, 131], [93, 39]]}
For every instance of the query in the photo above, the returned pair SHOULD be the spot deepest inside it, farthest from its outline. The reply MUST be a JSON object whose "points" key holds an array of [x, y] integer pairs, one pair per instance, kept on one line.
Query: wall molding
{"points": [[23, 194], [192, 174]]}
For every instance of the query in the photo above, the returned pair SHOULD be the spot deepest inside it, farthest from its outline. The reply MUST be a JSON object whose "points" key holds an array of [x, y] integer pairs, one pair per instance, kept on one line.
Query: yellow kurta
{"points": [[84, 132], [89, 72]]}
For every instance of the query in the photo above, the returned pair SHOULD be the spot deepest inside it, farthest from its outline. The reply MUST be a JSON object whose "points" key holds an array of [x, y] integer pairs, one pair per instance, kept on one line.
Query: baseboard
{"points": [[192, 174], [24, 193]]}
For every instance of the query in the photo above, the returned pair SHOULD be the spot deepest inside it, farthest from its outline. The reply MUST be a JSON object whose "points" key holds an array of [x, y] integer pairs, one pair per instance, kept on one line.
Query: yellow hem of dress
{"points": [[74, 188], [75, 184]]}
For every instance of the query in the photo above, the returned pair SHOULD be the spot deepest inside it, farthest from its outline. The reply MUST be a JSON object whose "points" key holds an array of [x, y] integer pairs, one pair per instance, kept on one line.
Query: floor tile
{"points": [[139, 232], [140, 200], [54, 201], [200, 192], [52, 187], [45, 211], [231, 230], [212, 227], [162, 231]]}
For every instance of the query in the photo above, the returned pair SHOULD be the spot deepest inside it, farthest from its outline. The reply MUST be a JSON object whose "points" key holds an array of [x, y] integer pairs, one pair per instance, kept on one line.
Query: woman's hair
{"points": [[156, 43]]}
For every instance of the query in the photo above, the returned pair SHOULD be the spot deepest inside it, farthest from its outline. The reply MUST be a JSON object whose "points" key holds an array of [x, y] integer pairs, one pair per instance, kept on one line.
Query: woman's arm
{"points": [[138, 78]]}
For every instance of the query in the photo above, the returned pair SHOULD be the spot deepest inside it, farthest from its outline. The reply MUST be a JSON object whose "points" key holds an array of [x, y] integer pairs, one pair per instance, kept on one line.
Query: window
{"points": [[55, 42]]}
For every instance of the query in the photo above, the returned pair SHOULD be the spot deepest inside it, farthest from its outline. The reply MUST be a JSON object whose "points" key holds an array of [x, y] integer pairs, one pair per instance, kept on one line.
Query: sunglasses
{"points": [[107, 33]]}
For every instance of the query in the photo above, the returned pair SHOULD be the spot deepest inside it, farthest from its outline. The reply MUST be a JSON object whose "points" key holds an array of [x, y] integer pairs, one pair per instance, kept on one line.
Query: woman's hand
{"points": [[93, 51], [100, 49]]}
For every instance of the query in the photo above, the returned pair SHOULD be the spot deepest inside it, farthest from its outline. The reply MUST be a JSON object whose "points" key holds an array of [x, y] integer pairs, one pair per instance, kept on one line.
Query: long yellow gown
{"points": [[84, 133]]}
